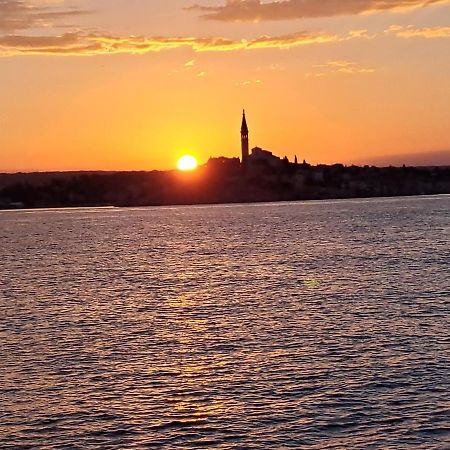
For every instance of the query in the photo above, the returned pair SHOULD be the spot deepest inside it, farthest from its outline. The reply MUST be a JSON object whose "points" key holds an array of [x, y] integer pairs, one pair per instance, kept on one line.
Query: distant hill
{"points": [[429, 159]]}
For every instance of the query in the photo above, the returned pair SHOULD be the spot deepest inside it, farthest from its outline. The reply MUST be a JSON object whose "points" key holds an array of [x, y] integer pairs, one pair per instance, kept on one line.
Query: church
{"points": [[257, 161], [258, 156]]}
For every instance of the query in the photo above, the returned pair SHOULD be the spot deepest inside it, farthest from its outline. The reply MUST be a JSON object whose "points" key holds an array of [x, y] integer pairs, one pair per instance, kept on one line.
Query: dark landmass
{"points": [[430, 158], [221, 180]]}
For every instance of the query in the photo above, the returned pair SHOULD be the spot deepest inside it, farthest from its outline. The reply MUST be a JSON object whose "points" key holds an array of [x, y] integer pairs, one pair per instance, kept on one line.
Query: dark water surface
{"points": [[320, 325]]}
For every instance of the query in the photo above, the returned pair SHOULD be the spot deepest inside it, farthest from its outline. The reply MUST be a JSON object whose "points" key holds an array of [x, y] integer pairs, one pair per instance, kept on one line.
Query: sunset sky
{"points": [[135, 84]]}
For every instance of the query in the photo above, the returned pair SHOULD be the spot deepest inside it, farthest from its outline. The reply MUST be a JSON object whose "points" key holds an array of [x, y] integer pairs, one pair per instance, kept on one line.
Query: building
{"points": [[244, 140], [258, 156]]}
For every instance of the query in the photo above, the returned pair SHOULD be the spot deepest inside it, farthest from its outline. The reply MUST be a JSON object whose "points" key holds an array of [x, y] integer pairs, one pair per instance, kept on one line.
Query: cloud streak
{"points": [[255, 10], [338, 67], [84, 44], [411, 32], [78, 43], [21, 15]]}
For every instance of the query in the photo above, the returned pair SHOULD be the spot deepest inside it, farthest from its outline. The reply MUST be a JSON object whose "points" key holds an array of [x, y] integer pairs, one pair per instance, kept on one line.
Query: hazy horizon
{"points": [[425, 159]]}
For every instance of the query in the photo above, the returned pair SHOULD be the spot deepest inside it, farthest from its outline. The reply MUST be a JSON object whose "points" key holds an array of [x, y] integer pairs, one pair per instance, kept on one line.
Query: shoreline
{"points": [[256, 203]]}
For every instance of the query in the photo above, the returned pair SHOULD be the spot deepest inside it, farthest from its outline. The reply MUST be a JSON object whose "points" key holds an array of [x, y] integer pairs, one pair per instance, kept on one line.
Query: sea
{"points": [[309, 325]]}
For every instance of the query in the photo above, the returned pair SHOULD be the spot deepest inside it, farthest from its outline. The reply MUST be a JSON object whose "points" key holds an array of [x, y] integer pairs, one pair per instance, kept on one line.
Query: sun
{"points": [[186, 163]]}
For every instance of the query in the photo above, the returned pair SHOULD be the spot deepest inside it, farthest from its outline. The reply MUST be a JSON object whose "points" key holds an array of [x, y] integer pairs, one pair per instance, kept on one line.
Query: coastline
{"points": [[256, 203]]}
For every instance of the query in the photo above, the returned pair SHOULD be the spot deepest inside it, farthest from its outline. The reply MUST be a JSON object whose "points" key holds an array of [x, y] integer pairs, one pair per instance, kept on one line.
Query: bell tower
{"points": [[244, 139]]}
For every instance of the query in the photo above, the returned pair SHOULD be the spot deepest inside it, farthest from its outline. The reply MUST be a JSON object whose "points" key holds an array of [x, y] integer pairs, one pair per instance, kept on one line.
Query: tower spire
{"points": [[244, 127], [244, 139]]}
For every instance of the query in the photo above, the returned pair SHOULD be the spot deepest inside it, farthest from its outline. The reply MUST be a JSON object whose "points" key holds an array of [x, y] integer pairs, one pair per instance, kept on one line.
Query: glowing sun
{"points": [[187, 162]]}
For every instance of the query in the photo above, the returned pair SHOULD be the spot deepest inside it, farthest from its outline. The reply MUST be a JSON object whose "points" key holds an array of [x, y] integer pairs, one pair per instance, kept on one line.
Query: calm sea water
{"points": [[320, 325]]}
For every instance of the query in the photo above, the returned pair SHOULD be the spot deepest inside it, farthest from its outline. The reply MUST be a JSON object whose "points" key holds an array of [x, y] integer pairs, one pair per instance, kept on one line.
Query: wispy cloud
{"points": [[338, 67], [249, 83], [411, 32], [20, 15], [78, 43], [256, 10]]}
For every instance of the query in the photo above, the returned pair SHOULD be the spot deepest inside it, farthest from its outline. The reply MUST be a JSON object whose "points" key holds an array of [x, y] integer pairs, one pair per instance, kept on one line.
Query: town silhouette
{"points": [[257, 176]]}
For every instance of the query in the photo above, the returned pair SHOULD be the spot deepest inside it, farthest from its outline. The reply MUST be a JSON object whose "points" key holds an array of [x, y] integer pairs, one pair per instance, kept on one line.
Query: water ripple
{"points": [[320, 325]]}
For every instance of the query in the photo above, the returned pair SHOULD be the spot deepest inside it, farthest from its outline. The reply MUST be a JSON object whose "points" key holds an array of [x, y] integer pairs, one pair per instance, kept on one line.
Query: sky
{"points": [[135, 84]]}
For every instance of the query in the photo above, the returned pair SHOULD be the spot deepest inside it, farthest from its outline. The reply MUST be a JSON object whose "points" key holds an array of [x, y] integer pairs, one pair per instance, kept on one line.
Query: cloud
{"points": [[21, 14], [411, 32], [77, 43], [256, 10], [249, 83], [339, 67]]}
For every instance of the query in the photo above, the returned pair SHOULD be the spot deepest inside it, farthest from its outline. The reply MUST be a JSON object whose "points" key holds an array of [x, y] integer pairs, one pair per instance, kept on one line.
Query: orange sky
{"points": [[133, 85]]}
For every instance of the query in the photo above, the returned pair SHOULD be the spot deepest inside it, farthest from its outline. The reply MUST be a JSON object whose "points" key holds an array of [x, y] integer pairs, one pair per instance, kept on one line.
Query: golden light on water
{"points": [[187, 163]]}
